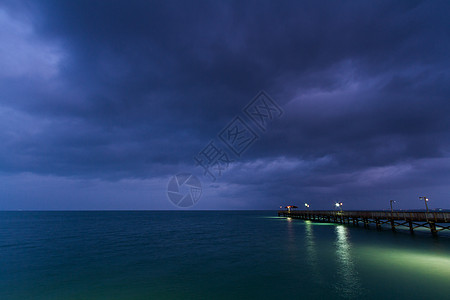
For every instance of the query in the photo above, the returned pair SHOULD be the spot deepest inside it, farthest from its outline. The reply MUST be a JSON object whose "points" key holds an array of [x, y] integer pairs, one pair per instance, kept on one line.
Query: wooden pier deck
{"points": [[434, 221]]}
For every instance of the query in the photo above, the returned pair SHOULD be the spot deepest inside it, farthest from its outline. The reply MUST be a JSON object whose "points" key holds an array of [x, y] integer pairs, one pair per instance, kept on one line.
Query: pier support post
{"points": [[392, 225], [411, 228], [433, 228]]}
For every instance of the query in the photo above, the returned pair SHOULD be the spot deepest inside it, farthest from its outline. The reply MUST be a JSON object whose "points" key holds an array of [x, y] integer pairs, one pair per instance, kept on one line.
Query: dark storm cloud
{"points": [[134, 89]]}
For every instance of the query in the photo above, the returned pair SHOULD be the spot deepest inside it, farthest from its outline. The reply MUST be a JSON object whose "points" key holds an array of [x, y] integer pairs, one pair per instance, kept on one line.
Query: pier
{"points": [[433, 221]]}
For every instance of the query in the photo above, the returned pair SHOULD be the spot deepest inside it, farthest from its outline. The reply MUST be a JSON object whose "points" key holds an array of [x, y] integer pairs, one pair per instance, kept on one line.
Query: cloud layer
{"points": [[113, 92]]}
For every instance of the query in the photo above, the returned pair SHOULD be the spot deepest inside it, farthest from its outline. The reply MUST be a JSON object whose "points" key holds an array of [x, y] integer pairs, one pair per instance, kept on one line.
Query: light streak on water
{"points": [[311, 252], [348, 284]]}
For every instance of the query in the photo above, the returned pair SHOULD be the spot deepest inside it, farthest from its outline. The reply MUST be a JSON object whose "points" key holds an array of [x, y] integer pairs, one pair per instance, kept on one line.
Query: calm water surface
{"points": [[212, 255]]}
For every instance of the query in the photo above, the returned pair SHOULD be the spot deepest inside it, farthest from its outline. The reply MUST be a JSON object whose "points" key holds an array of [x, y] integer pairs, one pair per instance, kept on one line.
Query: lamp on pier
{"points": [[425, 199], [392, 201]]}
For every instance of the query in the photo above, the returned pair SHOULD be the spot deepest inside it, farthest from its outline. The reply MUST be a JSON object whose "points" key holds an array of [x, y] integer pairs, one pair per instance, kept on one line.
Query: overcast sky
{"points": [[102, 102]]}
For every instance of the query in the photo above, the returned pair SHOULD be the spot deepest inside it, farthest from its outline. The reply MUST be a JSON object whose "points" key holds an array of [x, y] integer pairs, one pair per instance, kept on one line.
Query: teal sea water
{"points": [[213, 255]]}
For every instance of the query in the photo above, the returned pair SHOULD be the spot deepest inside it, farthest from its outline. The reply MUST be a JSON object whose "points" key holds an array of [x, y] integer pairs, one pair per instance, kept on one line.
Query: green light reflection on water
{"points": [[300, 221], [408, 261], [348, 283], [363, 266]]}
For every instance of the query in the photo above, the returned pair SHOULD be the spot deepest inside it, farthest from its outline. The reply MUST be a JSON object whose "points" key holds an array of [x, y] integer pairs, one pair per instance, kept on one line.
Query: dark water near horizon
{"points": [[213, 255]]}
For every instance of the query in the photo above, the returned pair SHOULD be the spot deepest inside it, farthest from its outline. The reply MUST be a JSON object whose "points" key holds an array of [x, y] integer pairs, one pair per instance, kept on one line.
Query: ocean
{"points": [[213, 255]]}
